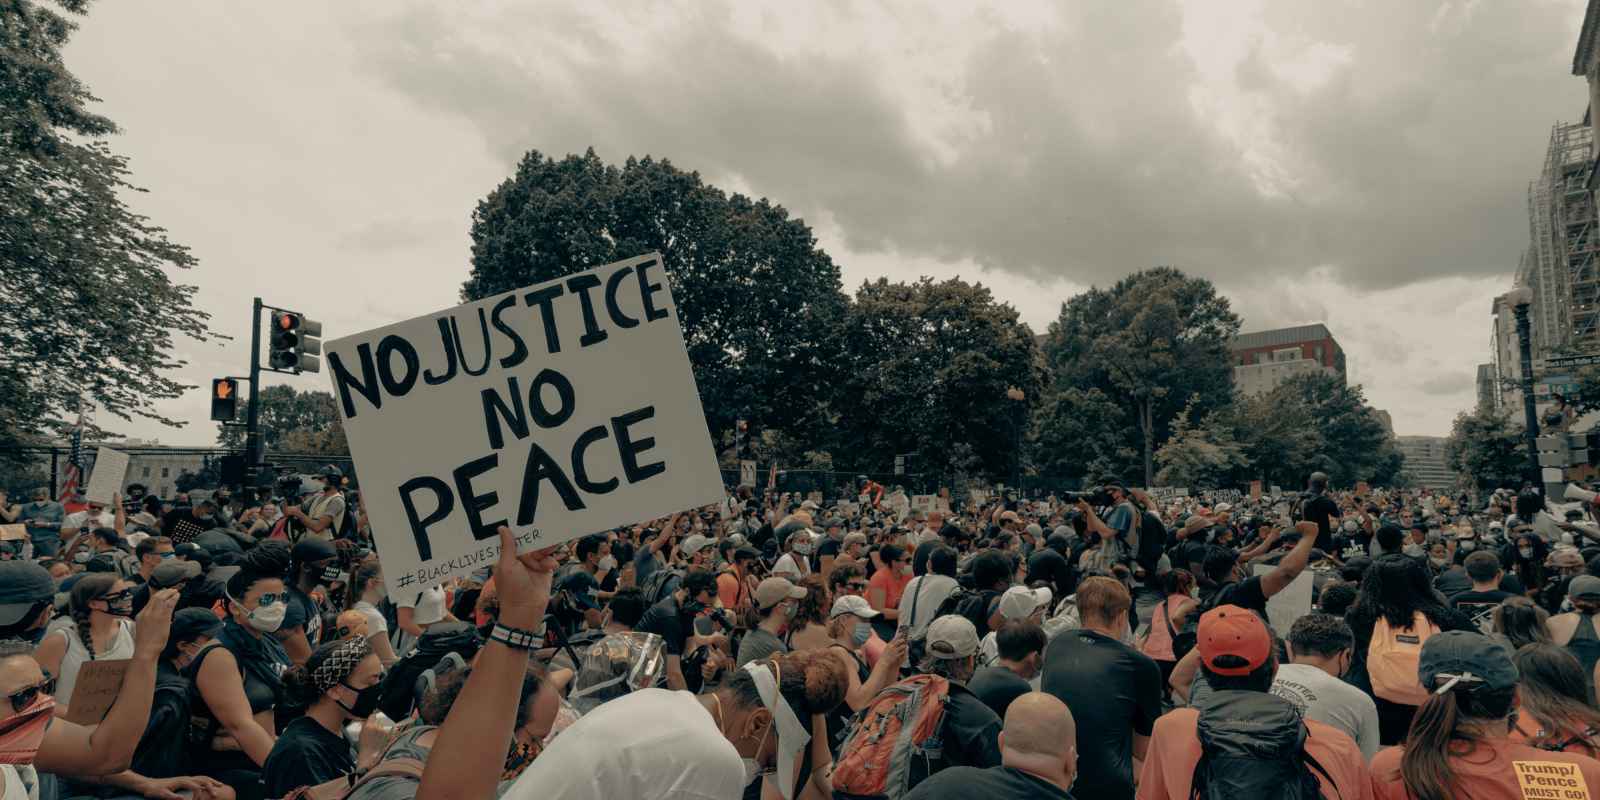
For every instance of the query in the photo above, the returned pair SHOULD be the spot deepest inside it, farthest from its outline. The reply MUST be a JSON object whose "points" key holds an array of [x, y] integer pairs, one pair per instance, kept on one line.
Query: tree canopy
{"points": [[1488, 447], [755, 294], [88, 305], [294, 422]]}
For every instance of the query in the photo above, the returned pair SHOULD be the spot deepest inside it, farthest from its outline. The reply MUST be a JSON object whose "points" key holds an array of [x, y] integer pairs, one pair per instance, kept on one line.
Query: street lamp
{"points": [[1017, 395], [1519, 299]]}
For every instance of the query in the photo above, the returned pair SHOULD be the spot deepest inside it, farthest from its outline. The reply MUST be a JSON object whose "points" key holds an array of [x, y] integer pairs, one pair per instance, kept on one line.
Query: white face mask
{"points": [[1438, 562], [1527, 552], [1467, 544], [268, 619]]}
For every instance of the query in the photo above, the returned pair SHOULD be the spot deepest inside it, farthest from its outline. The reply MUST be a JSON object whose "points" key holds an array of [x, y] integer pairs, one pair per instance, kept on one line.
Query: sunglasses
{"points": [[857, 584], [27, 696]]}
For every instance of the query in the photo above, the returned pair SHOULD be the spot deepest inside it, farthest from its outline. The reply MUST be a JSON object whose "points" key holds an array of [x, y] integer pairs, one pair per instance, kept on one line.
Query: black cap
{"points": [[310, 549], [173, 573], [105, 562], [189, 623], [216, 541], [331, 471], [193, 552], [23, 585]]}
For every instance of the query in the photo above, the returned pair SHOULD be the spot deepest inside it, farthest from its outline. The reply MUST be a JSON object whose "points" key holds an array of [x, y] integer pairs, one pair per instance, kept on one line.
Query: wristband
{"points": [[514, 638]]}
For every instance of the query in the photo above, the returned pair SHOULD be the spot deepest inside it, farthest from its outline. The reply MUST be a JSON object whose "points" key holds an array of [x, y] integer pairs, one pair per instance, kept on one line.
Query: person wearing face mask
{"points": [[887, 585], [776, 600], [796, 560], [1038, 758], [366, 592], [27, 598], [99, 627], [1018, 660], [338, 683], [26, 709], [324, 514], [239, 683], [314, 564], [43, 518], [850, 627], [1320, 654]]}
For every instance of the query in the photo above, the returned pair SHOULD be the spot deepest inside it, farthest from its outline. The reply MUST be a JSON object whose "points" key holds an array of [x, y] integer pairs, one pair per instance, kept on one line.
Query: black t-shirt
{"points": [[968, 783], [306, 754], [997, 686], [971, 732], [1244, 594], [665, 619], [1114, 692], [1320, 510], [829, 547], [1479, 605], [919, 557], [1452, 582]]}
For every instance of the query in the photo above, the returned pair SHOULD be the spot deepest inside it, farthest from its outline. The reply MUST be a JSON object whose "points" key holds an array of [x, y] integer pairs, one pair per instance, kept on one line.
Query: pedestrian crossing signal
{"points": [[224, 399]]}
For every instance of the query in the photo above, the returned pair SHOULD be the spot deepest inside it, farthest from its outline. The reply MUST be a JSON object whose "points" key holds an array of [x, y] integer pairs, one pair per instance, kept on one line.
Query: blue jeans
{"points": [[46, 544]]}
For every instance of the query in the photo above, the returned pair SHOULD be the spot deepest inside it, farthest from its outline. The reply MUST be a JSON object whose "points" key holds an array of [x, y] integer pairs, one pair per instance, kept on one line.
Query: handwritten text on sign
{"points": [[560, 409]]}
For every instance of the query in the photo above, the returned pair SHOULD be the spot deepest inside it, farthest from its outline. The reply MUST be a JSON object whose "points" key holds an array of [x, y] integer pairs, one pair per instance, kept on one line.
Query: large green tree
{"points": [[757, 297], [1155, 343], [1488, 448], [88, 305], [293, 422], [1349, 440], [1079, 434], [934, 367]]}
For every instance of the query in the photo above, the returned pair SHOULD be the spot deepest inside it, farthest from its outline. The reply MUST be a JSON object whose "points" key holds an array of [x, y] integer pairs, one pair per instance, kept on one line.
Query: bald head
{"points": [[1038, 724]]}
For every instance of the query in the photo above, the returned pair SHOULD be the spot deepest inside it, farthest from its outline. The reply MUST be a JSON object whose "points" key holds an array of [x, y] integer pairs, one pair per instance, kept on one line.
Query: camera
{"points": [[1098, 496]]}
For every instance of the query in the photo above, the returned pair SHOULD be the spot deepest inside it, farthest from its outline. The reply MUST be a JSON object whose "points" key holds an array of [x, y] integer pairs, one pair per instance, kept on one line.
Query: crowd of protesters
{"points": [[1104, 644]]}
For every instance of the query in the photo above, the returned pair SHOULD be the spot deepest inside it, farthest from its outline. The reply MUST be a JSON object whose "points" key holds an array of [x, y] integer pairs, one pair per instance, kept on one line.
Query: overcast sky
{"points": [[1359, 163]]}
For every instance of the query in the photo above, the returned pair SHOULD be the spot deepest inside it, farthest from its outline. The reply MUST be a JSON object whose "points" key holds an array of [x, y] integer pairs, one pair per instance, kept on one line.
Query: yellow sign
{"points": [[1550, 780]]}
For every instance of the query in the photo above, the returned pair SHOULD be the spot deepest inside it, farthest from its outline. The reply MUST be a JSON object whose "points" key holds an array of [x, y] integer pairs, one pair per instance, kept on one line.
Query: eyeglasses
{"points": [[857, 585], [27, 696]]}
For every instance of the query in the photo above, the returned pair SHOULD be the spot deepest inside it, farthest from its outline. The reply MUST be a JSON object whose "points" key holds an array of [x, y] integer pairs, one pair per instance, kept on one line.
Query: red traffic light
{"points": [[284, 321]]}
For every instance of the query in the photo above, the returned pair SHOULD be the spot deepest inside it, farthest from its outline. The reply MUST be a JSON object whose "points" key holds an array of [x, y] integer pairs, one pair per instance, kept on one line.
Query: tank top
{"points": [[1158, 643], [77, 655]]}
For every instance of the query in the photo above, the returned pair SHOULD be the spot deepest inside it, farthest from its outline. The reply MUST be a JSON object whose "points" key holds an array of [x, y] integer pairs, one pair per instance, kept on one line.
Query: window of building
{"points": [[164, 472], [1316, 352], [1286, 354], [146, 472]]}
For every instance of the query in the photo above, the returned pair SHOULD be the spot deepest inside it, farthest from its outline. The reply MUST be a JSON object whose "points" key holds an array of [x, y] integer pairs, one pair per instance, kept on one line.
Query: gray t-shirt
{"points": [[758, 644], [1327, 699], [921, 600]]}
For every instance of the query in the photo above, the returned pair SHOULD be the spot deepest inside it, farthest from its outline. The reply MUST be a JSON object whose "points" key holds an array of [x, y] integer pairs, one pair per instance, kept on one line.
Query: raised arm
{"points": [[1292, 564]]}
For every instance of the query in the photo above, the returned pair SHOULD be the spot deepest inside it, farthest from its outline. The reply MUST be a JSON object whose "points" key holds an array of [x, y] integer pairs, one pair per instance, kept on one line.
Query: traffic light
{"points": [[224, 399], [296, 343]]}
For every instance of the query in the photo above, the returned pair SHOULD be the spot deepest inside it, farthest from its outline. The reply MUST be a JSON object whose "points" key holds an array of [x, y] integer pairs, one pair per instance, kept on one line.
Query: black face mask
{"points": [[329, 574], [366, 700], [692, 608]]}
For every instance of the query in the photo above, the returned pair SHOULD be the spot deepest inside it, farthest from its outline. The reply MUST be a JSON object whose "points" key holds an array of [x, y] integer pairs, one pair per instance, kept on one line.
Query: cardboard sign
{"points": [[110, 468], [924, 503], [96, 689], [1550, 780], [558, 410], [1290, 604], [1255, 490], [14, 533], [747, 474]]}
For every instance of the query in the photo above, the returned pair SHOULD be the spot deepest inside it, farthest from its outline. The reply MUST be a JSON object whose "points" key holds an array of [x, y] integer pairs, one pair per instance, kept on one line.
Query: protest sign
{"points": [[13, 533], [1255, 490], [1290, 604], [558, 410], [95, 690], [924, 503], [747, 474], [110, 467]]}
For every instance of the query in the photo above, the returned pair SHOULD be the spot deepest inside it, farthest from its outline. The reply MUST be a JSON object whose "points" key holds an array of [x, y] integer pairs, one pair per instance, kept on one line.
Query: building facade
{"points": [[1264, 359], [1425, 461], [1488, 392]]}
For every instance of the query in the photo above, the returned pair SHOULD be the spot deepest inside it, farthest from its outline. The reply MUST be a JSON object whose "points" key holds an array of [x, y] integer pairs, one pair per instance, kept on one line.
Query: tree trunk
{"points": [[1145, 413]]}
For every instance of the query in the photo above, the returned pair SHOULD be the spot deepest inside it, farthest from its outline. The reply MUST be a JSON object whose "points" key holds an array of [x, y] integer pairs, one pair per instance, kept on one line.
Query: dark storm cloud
{"points": [[1090, 158]]}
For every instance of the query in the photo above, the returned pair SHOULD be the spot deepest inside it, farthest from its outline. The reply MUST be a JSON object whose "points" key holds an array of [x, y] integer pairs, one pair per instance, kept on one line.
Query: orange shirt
{"points": [[1500, 769], [1175, 749], [892, 586]]}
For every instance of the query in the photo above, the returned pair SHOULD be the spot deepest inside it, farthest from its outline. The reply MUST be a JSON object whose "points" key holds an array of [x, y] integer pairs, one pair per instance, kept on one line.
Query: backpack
{"points": [[662, 582], [346, 785], [974, 605], [1252, 747], [1392, 659], [900, 727], [163, 750]]}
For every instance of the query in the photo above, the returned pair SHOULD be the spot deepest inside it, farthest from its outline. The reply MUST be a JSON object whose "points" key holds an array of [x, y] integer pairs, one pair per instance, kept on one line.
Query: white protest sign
{"points": [[1290, 604], [559, 410], [110, 467], [923, 503], [747, 473]]}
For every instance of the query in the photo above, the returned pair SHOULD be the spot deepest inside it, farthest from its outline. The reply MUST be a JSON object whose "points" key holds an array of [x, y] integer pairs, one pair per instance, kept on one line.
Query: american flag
{"points": [[74, 471]]}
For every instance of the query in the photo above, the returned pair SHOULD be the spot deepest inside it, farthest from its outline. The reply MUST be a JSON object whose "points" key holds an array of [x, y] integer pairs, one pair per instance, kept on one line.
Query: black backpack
{"points": [[163, 750], [1252, 747], [398, 694], [662, 582], [969, 603]]}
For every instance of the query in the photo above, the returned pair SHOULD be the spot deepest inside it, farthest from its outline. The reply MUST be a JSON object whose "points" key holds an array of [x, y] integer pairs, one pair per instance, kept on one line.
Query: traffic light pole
{"points": [[252, 430]]}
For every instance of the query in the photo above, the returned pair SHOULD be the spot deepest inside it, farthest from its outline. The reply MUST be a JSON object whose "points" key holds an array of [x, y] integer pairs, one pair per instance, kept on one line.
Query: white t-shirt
{"points": [[648, 745], [16, 786], [789, 565], [375, 621], [427, 608], [75, 656], [924, 593], [1331, 701]]}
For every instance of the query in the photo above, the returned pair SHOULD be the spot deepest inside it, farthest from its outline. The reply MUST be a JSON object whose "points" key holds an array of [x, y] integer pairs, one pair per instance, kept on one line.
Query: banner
{"points": [[110, 467], [559, 410]]}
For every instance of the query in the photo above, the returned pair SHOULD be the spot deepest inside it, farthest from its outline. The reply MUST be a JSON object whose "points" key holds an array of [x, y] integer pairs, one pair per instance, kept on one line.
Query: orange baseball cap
{"points": [[1233, 631]]}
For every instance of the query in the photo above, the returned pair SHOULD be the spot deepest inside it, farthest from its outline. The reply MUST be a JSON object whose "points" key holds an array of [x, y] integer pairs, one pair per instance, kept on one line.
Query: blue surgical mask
{"points": [[861, 634]]}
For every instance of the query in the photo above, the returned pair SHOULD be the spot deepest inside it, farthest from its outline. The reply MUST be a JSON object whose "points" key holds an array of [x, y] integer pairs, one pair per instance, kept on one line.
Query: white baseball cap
{"points": [[852, 604], [1020, 602]]}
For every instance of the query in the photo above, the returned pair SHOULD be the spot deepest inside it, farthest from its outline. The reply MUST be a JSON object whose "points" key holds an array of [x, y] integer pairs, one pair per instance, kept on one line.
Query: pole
{"points": [[252, 431], [55, 467], [1530, 415]]}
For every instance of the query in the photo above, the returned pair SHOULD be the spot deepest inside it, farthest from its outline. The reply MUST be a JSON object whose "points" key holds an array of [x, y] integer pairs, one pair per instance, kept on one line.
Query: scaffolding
{"points": [[1563, 271]]}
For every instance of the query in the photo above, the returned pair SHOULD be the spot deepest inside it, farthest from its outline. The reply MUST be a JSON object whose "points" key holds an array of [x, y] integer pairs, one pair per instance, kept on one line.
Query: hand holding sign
{"points": [[523, 582]]}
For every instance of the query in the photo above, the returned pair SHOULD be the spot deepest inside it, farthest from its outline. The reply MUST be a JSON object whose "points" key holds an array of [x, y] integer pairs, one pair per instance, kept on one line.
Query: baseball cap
{"points": [[1034, 529], [775, 590], [1233, 631], [746, 553], [1019, 602], [693, 543], [854, 537], [1453, 658], [188, 623], [1009, 516], [1221, 507], [851, 604], [310, 548], [1564, 557], [1584, 586], [173, 573], [23, 585], [951, 636]]}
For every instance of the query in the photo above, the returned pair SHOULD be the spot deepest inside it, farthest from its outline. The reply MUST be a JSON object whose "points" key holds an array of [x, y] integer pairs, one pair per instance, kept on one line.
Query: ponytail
{"points": [[1426, 766]]}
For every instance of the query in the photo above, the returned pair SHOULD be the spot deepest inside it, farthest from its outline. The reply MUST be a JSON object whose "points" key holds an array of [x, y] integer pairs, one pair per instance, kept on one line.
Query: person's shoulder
{"points": [[1385, 765], [1333, 740], [1177, 722]]}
